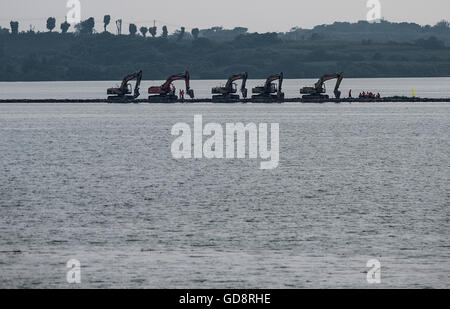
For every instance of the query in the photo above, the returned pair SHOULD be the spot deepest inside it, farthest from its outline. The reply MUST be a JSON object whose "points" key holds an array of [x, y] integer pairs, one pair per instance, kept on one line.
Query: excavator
{"points": [[164, 93], [227, 94], [122, 93], [265, 94], [317, 91]]}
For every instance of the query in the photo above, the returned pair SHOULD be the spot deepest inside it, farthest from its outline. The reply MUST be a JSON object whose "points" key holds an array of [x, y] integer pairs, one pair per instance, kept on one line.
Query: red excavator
{"points": [[317, 91], [227, 94], [164, 93], [265, 94], [121, 94]]}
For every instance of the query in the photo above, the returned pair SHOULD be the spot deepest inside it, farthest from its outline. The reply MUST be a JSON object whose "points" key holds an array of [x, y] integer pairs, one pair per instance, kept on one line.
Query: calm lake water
{"points": [[97, 183]]}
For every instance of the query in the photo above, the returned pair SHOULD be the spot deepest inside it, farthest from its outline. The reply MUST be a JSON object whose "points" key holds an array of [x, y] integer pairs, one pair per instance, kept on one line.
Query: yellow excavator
{"points": [[122, 94], [227, 94], [265, 94], [317, 92]]}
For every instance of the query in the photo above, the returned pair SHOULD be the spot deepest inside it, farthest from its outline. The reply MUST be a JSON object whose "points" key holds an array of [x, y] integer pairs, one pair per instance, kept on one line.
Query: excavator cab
{"points": [[222, 89], [273, 88], [234, 88], [129, 88]]}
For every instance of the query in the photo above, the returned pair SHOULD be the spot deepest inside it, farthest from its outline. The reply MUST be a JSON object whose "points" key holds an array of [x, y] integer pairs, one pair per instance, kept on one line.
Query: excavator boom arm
{"points": [[325, 78], [128, 78], [235, 78], [171, 79], [339, 81], [337, 93], [244, 85], [280, 83]]}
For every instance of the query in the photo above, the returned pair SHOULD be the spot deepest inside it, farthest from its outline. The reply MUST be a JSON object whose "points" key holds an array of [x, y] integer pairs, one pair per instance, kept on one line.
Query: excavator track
{"points": [[232, 98], [163, 99], [123, 100], [267, 99], [316, 97]]}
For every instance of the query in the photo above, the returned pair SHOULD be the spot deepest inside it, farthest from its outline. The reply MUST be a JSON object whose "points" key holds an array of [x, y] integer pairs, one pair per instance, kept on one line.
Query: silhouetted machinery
{"points": [[122, 93], [227, 94], [165, 94], [317, 91], [270, 92]]}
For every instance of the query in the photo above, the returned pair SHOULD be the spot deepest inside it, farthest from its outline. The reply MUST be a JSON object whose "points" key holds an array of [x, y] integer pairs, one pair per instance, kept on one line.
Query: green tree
{"points": [[443, 24], [181, 34], [143, 31], [3, 31], [165, 33], [51, 23], [316, 36], [86, 26], [152, 31], [65, 27], [195, 32], [431, 43], [240, 30], [132, 29], [14, 27], [106, 21]]}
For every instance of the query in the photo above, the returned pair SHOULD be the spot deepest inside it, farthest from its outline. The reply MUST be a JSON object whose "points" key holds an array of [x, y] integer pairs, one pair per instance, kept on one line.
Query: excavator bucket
{"points": [[244, 93]]}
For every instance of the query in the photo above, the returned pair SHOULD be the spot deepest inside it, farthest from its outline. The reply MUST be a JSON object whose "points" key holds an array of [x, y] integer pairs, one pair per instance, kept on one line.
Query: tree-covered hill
{"points": [[104, 56], [383, 31]]}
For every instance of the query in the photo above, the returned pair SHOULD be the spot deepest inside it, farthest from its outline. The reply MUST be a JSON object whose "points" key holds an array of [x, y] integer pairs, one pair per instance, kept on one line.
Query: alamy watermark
{"points": [[73, 16], [259, 144], [374, 14], [374, 273], [74, 273]]}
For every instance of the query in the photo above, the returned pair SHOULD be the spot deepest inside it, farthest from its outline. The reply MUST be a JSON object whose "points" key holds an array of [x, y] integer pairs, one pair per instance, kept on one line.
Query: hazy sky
{"points": [[257, 15]]}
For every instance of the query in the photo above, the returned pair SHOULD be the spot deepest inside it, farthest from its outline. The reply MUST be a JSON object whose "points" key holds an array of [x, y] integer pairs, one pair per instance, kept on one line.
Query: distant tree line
{"points": [[356, 49], [340, 31], [88, 27]]}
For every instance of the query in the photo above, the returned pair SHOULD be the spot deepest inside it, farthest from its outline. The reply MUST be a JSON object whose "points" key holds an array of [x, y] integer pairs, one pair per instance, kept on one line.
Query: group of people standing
{"points": [[369, 95], [366, 95], [174, 91]]}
